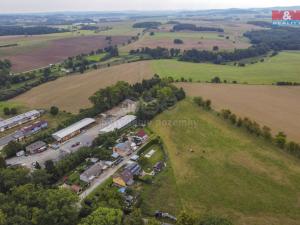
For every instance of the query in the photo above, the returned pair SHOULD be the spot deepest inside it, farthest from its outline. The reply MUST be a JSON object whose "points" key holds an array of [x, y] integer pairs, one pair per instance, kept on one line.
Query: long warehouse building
{"points": [[121, 123], [73, 130], [19, 119]]}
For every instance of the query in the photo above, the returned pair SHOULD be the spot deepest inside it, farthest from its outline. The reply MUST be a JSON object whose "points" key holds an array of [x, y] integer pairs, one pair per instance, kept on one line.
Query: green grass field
{"points": [[196, 35], [95, 58], [222, 170], [283, 67]]}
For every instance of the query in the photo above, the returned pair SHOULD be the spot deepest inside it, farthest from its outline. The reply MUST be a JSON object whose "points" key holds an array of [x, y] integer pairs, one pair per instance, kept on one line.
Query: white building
{"points": [[19, 119], [73, 130], [119, 124]]}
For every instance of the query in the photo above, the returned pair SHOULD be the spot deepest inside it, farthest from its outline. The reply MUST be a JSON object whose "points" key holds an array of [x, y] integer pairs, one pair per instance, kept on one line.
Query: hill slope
{"points": [[221, 169]]}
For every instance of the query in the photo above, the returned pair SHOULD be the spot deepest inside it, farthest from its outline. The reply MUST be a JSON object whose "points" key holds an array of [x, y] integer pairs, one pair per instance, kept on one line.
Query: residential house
{"points": [[142, 134], [134, 168], [123, 149], [123, 179], [76, 188], [36, 147], [94, 171]]}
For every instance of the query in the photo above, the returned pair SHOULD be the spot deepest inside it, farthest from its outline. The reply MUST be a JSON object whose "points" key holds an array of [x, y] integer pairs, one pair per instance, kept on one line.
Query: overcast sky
{"points": [[7, 6]]}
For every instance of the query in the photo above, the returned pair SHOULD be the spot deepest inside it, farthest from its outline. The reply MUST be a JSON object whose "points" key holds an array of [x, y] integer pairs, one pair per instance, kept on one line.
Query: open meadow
{"points": [[197, 40], [231, 38], [71, 93], [222, 170], [283, 67], [274, 106]]}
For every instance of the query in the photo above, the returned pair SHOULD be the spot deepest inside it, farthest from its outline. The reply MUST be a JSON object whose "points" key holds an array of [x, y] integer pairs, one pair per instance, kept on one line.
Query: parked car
{"points": [[76, 144], [20, 153]]}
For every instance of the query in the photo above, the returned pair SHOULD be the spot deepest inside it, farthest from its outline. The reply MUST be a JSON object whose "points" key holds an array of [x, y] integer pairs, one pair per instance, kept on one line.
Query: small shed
{"points": [[36, 147]]}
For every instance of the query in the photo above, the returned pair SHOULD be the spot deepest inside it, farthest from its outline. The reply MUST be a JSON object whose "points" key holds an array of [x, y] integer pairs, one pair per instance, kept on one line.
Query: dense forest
{"points": [[277, 38], [19, 30], [193, 27], [147, 25]]}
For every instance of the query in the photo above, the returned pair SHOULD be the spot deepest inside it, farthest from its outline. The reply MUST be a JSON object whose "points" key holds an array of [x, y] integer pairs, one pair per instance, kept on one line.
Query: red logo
{"points": [[286, 15]]}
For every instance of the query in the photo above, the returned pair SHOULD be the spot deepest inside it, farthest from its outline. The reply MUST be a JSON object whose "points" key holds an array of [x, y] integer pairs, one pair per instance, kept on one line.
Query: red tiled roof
{"points": [[141, 133]]}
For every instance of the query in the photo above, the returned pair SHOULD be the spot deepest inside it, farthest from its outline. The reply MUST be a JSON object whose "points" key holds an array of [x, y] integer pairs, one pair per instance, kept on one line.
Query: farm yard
{"points": [[220, 170], [283, 67], [273, 106], [46, 52], [71, 93]]}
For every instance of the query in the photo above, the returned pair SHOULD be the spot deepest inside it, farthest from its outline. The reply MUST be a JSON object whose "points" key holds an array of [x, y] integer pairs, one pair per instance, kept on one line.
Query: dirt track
{"points": [[71, 93], [57, 50], [276, 107]]}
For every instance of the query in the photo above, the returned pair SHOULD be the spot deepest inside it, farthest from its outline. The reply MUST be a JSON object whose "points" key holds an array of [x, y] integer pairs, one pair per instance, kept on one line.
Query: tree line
{"points": [[157, 53], [5, 66], [147, 25], [36, 78], [261, 24], [35, 30], [198, 56], [193, 27]]}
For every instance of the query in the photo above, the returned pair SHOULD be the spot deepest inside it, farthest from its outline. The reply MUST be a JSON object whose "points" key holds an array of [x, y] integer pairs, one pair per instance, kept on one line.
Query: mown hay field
{"points": [[220, 169], [274, 106], [71, 93]]}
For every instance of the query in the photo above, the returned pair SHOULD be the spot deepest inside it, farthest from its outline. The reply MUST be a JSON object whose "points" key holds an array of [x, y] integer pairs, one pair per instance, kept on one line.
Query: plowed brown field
{"points": [[55, 51]]}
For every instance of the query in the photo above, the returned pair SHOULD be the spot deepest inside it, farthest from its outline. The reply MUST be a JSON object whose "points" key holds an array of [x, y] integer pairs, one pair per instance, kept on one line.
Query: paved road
{"points": [[107, 174], [102, 178]]}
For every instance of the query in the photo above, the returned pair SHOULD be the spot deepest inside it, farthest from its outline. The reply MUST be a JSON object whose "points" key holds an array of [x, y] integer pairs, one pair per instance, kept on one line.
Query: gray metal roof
{"points": [[35, 146], [119, 124], [71, 129], [18, 118]]}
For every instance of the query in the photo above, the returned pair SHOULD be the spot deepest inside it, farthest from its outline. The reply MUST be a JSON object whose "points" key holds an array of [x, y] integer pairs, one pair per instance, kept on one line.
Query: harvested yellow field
{"points": [[273, 106], [71, 93]]}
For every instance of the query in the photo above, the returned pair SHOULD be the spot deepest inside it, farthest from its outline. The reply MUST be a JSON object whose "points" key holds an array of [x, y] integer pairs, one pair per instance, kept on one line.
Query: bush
{"points": [[280, 140], [54, 110], [178, 41]]}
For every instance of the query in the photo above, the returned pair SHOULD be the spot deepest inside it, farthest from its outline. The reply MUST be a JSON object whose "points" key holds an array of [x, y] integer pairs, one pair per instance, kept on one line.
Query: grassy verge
{"points": [[219, 169]]}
